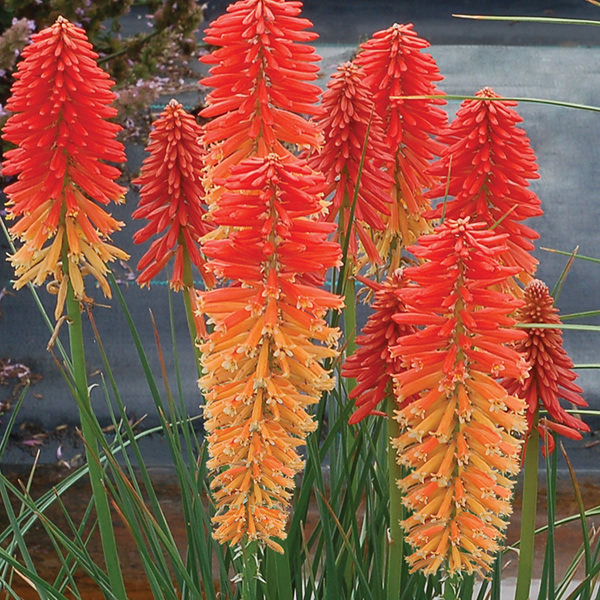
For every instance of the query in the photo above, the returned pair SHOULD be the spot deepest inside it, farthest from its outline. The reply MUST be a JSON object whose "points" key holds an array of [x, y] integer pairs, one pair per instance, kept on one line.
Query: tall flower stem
{"points": [[450, 587], [90, 431], [395, 564], [249, 571], [350, 321], [528, 514], [188, 290]]}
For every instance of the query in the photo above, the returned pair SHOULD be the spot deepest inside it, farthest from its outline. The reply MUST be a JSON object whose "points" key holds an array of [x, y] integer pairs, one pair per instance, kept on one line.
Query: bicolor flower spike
{"points": [[60, 103], [489, 161], [261, 73], [551, 375], [171, 197], [372, 365], [395, 66], [459, 436], [354, 140], [262, 363]]}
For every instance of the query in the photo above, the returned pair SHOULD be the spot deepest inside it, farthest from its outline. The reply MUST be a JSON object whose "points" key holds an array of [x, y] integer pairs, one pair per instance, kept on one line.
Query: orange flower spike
{"points": [[372, 365], [263, 371], [551, 375], [490, 161], [395, 65], [348, 121], [261, 76], [171, 197], [461, 415], [60, 104]]}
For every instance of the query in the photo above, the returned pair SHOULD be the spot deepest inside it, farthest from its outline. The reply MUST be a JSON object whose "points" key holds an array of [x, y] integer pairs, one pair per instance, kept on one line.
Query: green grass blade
{"points": [[79, 554], [20, 540], [581, 315], [348, 546], [548, 582], [563, 275], [594, 328], [521, 19], [12, 419], [528, 513], [545, 101], [586, 590], [578, 256]]}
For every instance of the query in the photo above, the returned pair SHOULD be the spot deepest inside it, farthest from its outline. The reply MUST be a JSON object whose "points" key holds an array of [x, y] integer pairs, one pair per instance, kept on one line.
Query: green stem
{"points": [[451, 586], [91, 431], [132, 44], [188, 288], [528, 513], [350, 322], [395, 566], [249, 573]]}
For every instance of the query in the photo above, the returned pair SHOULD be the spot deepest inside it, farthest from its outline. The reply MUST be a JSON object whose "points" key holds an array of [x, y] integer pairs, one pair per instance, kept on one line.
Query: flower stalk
{"points": [[351, 160], [459, 435], [395, 65], [172, 201], [263, 362], [485, 168], [528, 513], [60, 104], [550, 379], [91, 433], [395, 566]]}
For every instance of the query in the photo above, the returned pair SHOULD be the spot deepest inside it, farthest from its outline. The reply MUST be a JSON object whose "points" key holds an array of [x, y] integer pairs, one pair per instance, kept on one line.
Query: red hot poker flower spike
{"points": [[459, 433], [348, 122], [171, 197], [261, 77], [490, 162], [60, 104], [551, 374], [372, 365], [396, 66], [262, 363]]}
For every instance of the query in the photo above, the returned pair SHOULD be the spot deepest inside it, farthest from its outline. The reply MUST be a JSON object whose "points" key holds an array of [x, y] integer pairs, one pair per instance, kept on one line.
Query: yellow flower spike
{"points": [[395, 65], [458, 434], [259, 384]]}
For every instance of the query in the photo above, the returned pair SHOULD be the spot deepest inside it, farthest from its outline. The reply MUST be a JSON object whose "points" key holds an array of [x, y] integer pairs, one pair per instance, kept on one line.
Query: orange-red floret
{"points": [[372, 364], [263, 362], [60, 105], [551, 376], [171, 198], [395, 66], [353, 154], [485, 171], [261, 73], [460, 434]]}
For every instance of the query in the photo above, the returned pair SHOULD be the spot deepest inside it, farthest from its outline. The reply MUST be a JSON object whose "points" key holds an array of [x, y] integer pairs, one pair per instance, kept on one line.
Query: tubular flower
{"points": [[372, 365], [260, 77], [489, 161], [171, 197], [348, 123], [551, 376], [262, 363], [396, 66], [60, 101], [458, 435]]}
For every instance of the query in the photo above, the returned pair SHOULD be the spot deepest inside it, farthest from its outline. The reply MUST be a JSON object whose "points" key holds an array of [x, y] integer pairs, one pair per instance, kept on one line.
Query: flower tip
{"points": [[487, 92]]}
